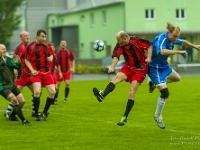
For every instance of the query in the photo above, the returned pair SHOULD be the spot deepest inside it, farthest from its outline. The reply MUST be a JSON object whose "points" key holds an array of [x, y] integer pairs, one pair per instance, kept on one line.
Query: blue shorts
{"points": [[159, 75]]}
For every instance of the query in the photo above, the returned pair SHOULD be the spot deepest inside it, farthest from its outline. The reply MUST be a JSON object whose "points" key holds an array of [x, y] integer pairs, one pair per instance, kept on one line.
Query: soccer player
{"points": [[66, 66], [23, 77], [38, 55], [53, 66], [160, 71], [8, 89], [133, 71]]}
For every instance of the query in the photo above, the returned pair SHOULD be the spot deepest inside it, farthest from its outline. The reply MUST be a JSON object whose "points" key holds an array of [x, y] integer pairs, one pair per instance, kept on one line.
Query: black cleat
{"points": [[44, 116], [37, 117], [122, 122], [13, 118], [151, 87], [98, 94], [26, 123], [33, 114]]}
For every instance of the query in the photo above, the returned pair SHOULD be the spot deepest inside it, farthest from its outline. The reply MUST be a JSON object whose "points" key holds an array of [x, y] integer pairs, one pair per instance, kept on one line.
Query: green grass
{"points": [[85, 124]]}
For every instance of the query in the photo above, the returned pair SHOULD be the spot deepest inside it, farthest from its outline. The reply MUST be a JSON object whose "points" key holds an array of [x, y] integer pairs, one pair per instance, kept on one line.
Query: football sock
{"points": [[56, 96], [66, 92], [10, 108], [36, 101], [18, 111], [110, 87], [160, 106], [129, 106], [48, 104], [33, 108]]}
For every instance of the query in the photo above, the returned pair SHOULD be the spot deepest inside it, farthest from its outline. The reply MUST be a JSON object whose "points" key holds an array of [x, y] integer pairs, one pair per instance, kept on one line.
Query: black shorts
{"points": [[13, 90]]}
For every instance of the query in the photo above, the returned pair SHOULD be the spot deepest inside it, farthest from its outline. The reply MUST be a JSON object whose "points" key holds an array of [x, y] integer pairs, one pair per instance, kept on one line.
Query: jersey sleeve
{"points": [[179, 41], [117, 51]]}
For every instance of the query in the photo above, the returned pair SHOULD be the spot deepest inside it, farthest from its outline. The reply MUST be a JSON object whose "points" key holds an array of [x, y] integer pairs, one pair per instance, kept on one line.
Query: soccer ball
{"points": [[99, 45]]}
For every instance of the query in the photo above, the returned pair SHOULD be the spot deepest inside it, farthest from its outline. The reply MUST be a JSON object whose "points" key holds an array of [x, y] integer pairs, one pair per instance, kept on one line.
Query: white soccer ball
{"points": [[99, 45]]}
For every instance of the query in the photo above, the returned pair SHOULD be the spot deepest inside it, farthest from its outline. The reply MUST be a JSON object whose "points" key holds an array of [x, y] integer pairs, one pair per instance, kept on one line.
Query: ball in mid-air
{"points": [[99, 45]]}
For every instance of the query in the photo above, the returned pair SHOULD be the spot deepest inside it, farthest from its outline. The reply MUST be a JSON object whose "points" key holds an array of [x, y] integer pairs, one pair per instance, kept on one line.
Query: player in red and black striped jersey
{"points": [[53, 67], [66, 66], [38, 55], [134, 69]]}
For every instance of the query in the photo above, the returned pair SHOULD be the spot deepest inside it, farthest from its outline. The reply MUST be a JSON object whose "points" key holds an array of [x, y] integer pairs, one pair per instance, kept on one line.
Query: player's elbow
{"points": [[162, 52]]}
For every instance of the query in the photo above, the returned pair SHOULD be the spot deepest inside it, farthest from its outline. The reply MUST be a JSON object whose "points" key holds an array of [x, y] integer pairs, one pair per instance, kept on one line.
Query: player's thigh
{"points": [[51, 89], [120, 76], [174, 76]]}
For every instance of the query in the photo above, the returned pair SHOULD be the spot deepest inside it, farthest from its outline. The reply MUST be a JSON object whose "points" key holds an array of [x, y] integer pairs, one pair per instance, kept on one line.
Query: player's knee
{"points": [[164, 93]]}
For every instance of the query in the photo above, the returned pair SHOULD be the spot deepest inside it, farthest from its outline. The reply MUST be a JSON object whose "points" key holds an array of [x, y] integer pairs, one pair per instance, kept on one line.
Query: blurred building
{"points": [[81, 22]]}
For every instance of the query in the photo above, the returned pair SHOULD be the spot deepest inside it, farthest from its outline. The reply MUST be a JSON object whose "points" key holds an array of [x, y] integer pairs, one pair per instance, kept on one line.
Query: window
{"points": [[92, 51], [92, 19], [82, 17], [180, 14], [150, 14], [82, 46], [104, 17]]}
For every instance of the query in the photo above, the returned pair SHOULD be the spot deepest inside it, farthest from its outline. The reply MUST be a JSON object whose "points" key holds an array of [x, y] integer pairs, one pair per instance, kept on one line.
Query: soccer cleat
{"points": [[44, 116], [26, 123], [159, 122], [33, 114], [151, 87], [55, 102], [98, 94], [122, 122], [65, 101], [13, 118], [37, 117], [7, 115]]}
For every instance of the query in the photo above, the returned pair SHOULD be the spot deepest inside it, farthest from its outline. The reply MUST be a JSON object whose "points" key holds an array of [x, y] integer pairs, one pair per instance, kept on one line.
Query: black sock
{"points": [[36, 101], [110, 87], [13, 113], [19, 113], [129, 106], [33, 108], [56, 96], [47, 105], [66, 92]]}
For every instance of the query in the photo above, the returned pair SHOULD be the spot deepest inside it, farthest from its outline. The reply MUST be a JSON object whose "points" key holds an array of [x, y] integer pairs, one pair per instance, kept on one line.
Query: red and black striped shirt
{"points": [[64, 57], [37, 55], [133, 52]]}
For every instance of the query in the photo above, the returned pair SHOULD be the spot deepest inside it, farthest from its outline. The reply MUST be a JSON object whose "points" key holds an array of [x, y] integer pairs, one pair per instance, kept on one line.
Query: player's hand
{"points": [[34, 72], [197, 47], [110, 70], [183, 53], [61, 76], [72, 70], [148, 60]]}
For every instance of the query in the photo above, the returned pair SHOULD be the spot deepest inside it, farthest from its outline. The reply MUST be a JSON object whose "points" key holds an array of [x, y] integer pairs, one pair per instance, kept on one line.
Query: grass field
{"points": [[85, 124]]}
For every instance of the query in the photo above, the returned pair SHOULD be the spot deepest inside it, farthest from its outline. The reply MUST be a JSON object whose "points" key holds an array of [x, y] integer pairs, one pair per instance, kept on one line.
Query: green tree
{"points": [[9, 20]]}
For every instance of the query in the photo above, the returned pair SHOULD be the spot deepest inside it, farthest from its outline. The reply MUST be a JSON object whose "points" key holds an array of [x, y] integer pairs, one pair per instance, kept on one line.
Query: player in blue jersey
{"points": [[159, 71]]}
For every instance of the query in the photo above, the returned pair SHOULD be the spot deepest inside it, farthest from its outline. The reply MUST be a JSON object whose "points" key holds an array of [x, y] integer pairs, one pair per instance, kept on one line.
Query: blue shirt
{"points": [[161, 42]]}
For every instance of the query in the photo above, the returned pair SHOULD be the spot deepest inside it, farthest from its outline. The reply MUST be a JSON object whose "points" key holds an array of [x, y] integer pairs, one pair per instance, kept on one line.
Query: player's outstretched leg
{"points": [[122, 122], [98, 94], [159, 122]]}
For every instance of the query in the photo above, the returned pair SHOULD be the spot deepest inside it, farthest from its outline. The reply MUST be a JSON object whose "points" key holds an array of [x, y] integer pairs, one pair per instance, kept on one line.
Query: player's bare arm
{"points": [[172, 52], [149, 55], [50, 58], [187, 43], [28, 64], [114, 62]]}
